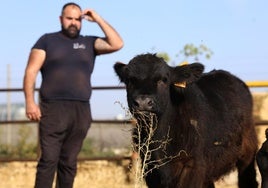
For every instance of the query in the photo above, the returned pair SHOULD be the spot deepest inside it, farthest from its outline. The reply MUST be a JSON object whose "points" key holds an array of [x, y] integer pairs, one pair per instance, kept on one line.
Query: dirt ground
{"points": [[93, 174]]}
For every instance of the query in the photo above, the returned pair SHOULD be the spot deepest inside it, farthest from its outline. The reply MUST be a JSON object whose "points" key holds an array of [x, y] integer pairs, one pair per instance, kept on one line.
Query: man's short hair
{"points": [[70, 4]]}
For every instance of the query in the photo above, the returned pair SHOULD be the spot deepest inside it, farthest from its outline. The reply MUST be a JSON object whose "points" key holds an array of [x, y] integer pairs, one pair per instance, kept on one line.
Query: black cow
{"points": [[202, 122], [262, 161]]}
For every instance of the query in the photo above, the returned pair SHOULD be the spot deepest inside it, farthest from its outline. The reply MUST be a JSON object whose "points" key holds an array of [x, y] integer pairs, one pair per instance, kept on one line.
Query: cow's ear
{"points": [[119, 69], [186, 74]]}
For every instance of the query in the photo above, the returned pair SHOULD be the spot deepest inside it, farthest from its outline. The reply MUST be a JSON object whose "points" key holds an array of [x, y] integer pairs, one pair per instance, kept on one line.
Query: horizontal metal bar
{"points": [[257, 123], [37, 89], [261, 83], [114, 158], [257, 83], [94, 121]]}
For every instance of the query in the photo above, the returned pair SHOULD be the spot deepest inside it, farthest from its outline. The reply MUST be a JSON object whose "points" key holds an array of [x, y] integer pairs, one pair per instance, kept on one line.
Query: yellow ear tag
{"points": [[180, 84]]}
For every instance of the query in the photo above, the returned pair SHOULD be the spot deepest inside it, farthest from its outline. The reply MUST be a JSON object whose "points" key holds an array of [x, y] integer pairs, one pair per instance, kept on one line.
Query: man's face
{"points": [[71, 21]]}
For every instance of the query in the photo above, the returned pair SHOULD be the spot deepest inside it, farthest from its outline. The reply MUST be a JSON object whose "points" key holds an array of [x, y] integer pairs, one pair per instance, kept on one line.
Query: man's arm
{"points": [[112, 40], [35, 62]]}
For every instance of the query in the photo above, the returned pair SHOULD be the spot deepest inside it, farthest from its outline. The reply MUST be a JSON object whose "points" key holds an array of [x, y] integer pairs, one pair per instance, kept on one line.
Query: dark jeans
{"points": [[62, 129]]}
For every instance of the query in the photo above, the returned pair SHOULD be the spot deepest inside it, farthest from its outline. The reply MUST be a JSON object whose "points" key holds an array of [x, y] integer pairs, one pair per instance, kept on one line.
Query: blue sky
{"points": [[235, 30]]}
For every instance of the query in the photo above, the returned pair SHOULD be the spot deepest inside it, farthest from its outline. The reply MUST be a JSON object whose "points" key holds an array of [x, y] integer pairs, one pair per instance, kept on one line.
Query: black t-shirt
{"points": [[67, 69]]}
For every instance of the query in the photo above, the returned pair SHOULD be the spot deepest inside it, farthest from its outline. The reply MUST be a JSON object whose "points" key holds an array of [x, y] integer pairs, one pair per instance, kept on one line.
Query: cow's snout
{"points": [[143, 103]]}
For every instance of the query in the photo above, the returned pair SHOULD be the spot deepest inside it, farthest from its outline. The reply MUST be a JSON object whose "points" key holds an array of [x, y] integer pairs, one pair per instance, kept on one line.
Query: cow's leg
{"points": [[153, 180], [246, 164], [209, 185], [262, 161], [192, 175], [247, 175], [264, 183]]}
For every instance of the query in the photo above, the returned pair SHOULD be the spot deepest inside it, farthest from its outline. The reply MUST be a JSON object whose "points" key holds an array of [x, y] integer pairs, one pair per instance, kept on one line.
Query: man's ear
{"points": [[60, 18], [186, 74]]}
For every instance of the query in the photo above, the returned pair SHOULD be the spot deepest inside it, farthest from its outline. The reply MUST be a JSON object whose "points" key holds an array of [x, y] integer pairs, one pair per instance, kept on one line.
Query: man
{"points": [[66, 61]]}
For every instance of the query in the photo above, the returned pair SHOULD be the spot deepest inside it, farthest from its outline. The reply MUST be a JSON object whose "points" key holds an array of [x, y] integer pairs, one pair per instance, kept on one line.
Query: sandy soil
{"points": [[93, 174]]}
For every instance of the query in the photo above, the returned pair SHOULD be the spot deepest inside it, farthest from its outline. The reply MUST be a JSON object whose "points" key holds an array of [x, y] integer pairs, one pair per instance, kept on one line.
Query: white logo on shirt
{"points": [[79, 46]]}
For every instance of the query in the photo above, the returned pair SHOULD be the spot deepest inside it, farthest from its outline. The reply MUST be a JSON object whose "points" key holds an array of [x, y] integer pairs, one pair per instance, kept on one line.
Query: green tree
{"points": [[164, 55], [189, 51]]}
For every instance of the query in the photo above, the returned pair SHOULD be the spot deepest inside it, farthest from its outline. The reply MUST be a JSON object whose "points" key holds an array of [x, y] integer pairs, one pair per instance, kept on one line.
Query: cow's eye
{"points": [[164, 79]]}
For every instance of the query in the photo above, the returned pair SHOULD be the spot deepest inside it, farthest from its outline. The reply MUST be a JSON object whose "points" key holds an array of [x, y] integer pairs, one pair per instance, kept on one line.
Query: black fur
{"points": [[262, 161], [207, 118]]}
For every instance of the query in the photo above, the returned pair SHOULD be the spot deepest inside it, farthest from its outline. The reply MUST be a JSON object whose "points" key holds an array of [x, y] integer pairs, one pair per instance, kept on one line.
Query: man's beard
{"points": [[72, 31]]}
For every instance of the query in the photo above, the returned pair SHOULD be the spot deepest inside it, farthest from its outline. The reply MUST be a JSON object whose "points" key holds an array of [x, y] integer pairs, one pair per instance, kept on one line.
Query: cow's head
{"points": [[149, 81]]}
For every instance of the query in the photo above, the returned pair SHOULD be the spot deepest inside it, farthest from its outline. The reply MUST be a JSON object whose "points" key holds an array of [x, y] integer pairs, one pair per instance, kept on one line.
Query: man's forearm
{"points": [[28, 88]]}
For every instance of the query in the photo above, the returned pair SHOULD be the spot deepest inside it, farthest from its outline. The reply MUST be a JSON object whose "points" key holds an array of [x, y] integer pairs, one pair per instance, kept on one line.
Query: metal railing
{"points": [[37, 89], [251, 84], [99, 121], [259, 83]]}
